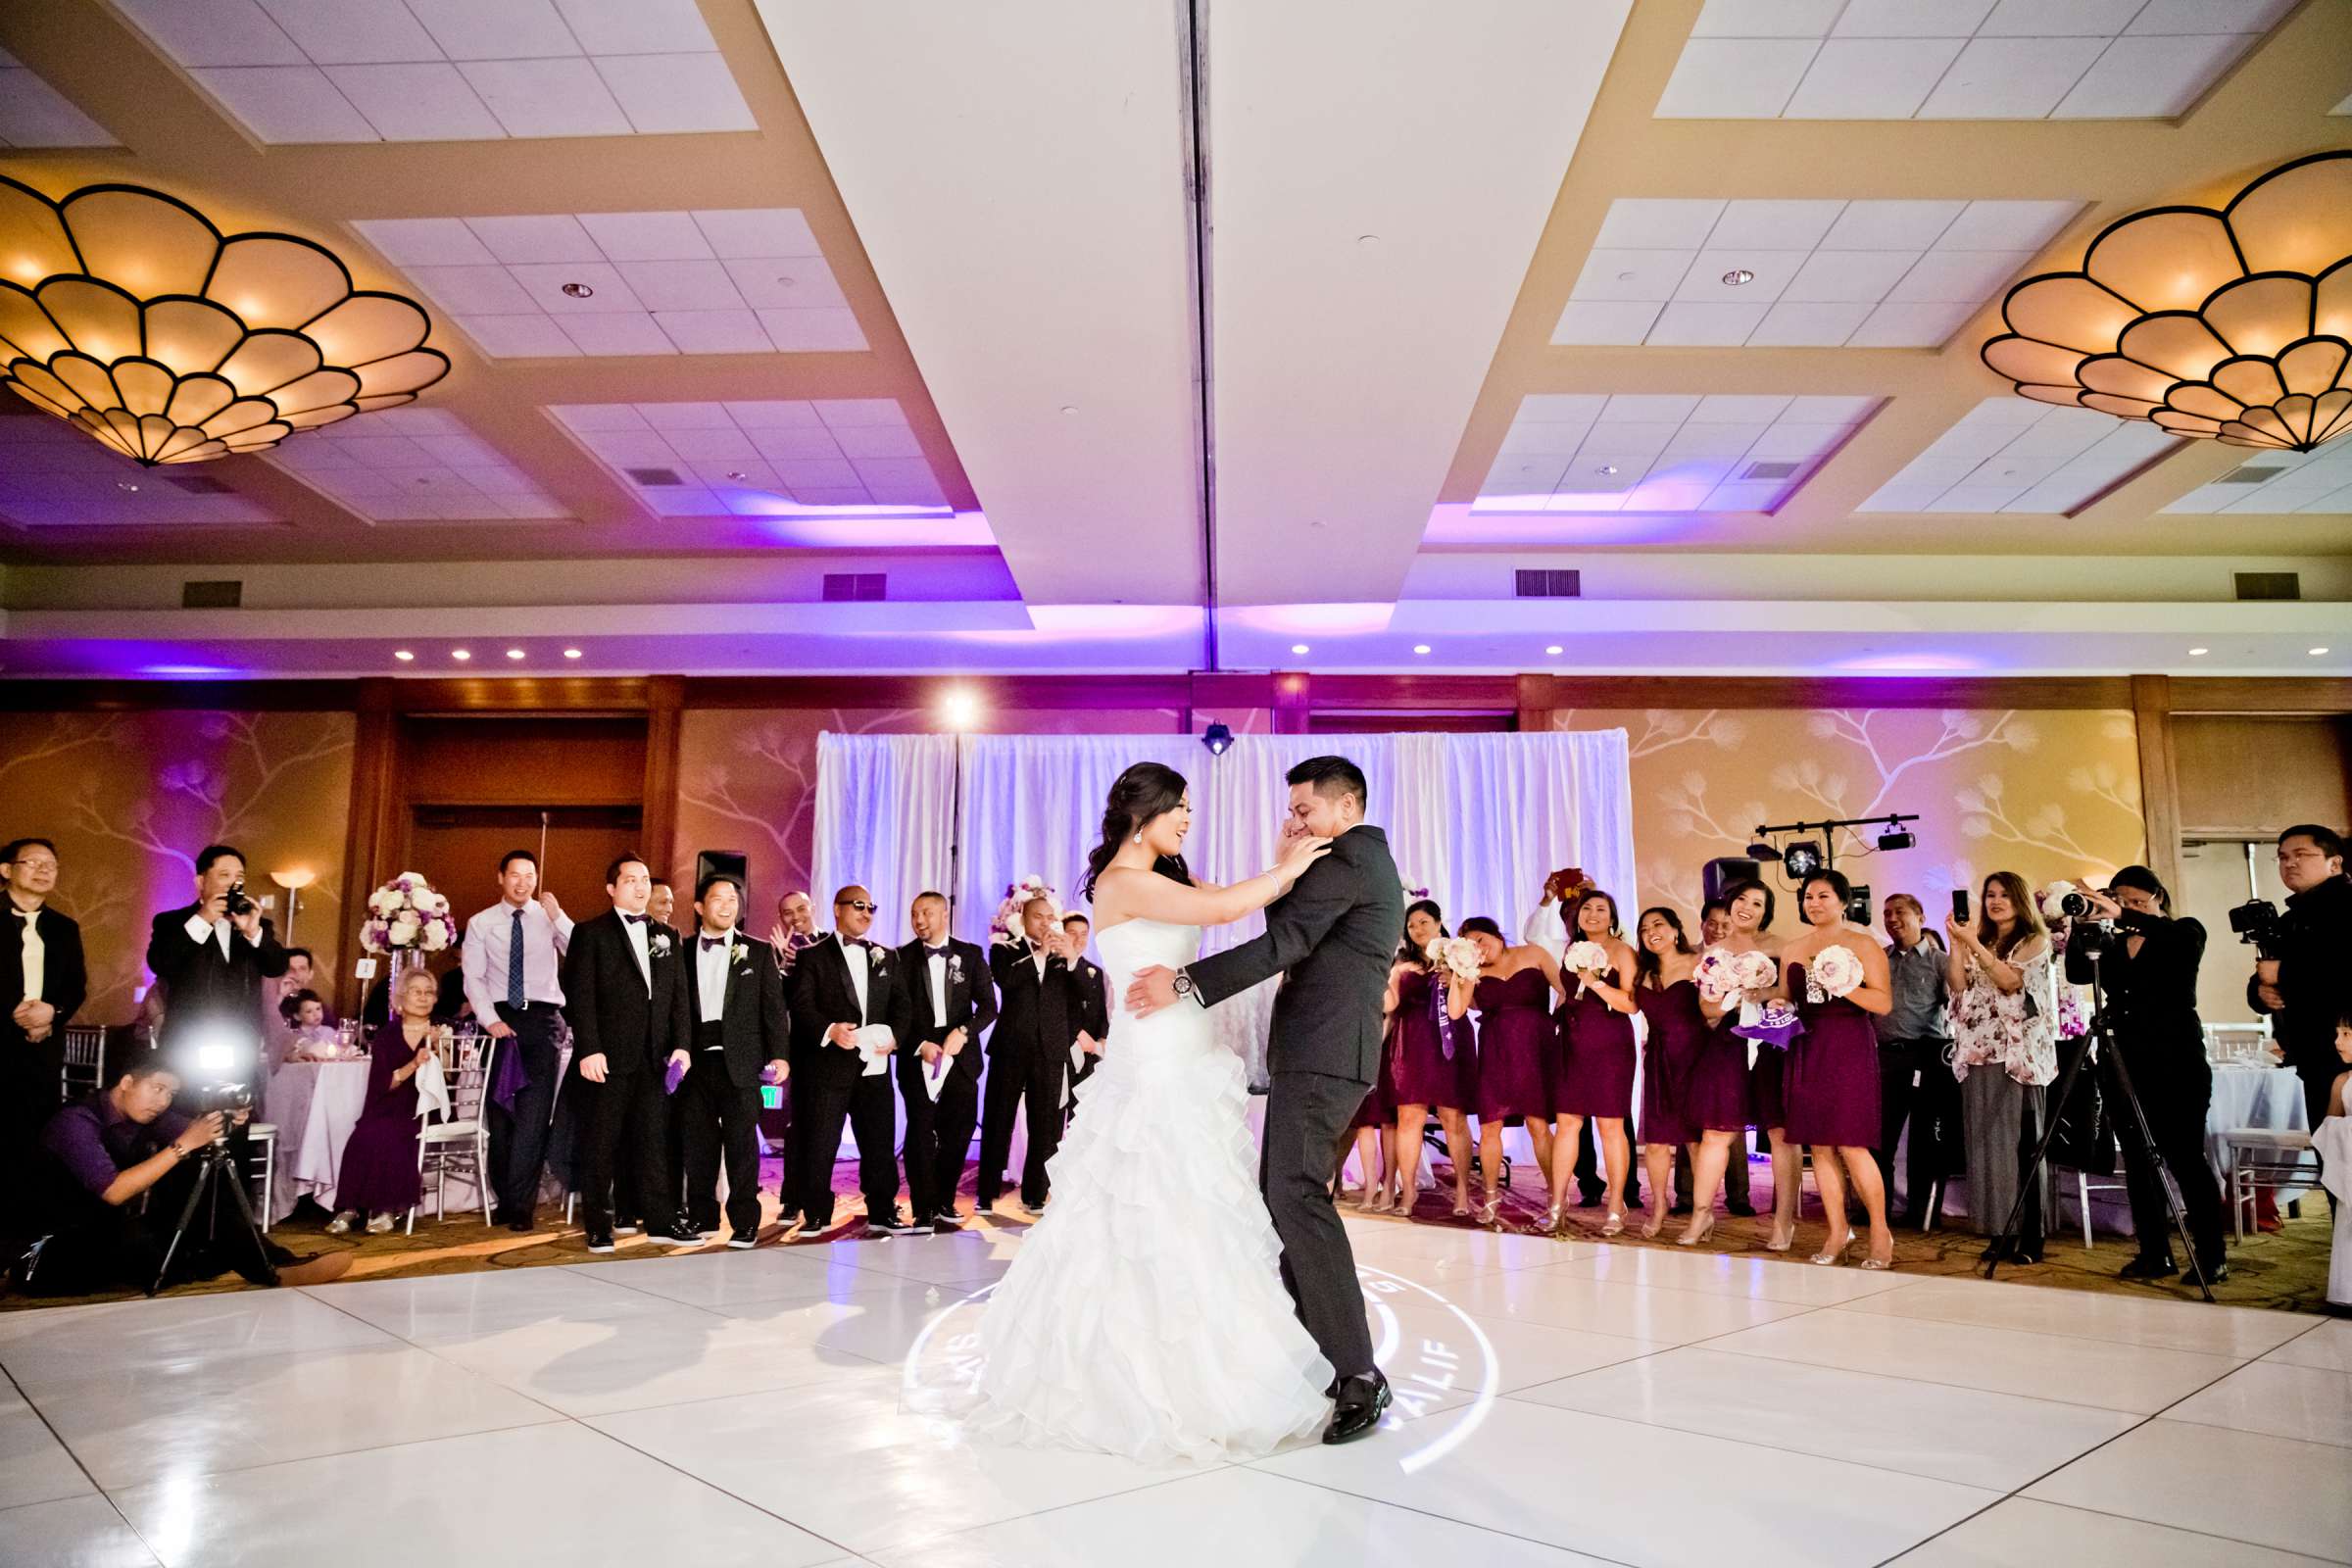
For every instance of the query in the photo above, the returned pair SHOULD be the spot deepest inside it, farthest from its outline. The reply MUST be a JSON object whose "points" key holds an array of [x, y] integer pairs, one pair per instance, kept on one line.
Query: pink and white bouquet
{"points": [[1006, 926], [1725, 977], [405, 915], [1585, 958], [1457, 956], [1835, 970]]}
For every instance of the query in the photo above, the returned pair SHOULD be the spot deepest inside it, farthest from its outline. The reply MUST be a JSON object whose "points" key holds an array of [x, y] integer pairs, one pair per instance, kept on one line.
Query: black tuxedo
{"points": [[204, 986], [30, 1074], [718, 1104], [938, 1133], [1332, 938], [1029, 1062], [832, 1080], [629, 1016]]}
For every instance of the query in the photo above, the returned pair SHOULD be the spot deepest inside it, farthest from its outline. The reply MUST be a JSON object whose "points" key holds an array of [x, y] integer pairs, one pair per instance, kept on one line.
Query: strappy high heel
{"points": [[1693, 1238], [1831, 1257], [1554, 1218], [1486, 1211], [1651, 1226], [1771, 1246], [1614, 1225]]}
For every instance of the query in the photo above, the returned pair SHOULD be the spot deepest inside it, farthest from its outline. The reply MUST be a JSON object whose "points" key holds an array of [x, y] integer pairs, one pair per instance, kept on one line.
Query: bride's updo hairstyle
{"points": [[1144, 792]]}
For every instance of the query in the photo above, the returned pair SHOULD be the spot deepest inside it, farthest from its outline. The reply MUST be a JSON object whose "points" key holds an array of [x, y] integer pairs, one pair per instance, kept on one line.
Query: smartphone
{"points": [[1960, 904]]}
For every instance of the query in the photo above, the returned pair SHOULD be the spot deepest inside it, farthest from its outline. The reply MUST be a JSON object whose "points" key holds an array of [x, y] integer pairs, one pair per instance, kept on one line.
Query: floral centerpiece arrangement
{"points": [[405, 915]]}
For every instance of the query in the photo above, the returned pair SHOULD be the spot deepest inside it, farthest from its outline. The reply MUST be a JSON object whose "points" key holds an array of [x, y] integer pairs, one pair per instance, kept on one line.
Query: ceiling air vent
{"points": [[2270, 585], [198, 484], [1549, 583], [224, 595], [2249, 475], [1770, 470], [854, 587], [650, 477]]}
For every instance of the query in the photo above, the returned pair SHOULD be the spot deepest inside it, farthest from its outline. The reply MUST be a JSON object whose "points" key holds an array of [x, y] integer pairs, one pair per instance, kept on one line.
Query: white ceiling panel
{"points": [[1932, 263], [415, 465], [2313, 482], [510, 290], [53, 475], [1655, 451], [1959, 58], [855, 456], [333, 71], [2009, 454], [33, 114]]}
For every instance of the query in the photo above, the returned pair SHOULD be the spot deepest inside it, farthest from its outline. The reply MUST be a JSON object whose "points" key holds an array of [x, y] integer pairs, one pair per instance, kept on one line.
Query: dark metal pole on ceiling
{"points": [[1192, 19]]}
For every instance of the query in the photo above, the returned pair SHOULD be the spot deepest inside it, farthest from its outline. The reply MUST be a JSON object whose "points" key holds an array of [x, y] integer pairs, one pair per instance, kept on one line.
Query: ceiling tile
{"points": [[1774, 225], [814, 332], [1722, 408], [636, 27], [2058, 18], [519, 337], [758, 231], [816, 472], [1871, 78], [424, 241], [449, 474], [1562, 406], [1831, 410], [847, 413], [664, 94], [1605, 320], [1636, 223], [1706, 326], [2007, 226], [647, 236], [1765, 18], [287, 104], [2155, 78], [353, 32], [33, 114], [489, 290], [786, 282], [1966, 278], [416, 102], [1847, 275], [2011, 453], [1651, 406], [1736, 78], [214, 32], [668, 417], [546, 237], [781, 414], [1704, 284], [783, 444], [683, 286], [900, 481], [2010, 79], [495, 29], [1531, 477], [2209, 16], [606, 291], [559, 97], [1530, 437], [1911, 18], [1646, 275], [1910, 324], [597, 417], [1760, 496], [616, 333], [729, 441], [1890, 225]]}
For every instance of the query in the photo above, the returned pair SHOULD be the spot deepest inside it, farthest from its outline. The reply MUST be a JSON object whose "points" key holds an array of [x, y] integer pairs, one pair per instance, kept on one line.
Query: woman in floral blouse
{"points": [[2004, 1049]]}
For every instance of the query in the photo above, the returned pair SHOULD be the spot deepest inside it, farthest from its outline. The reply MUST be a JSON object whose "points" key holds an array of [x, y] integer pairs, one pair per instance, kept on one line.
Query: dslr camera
{"points": [[2258, 924], [240, 903]]}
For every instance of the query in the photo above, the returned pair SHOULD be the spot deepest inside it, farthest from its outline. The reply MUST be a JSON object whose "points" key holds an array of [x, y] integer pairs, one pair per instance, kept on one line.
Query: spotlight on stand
{"points": [[1218, 738], [1803, 858], [1897, 836], [1762, 849]]}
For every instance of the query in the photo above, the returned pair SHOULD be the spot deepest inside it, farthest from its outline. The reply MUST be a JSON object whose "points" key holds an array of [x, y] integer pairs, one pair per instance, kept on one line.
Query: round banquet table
{"points": [[2253, 1095], [314, 1104]]}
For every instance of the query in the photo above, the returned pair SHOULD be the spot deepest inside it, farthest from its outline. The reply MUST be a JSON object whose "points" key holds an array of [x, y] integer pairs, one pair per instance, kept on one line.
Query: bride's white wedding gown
{"points": [[1143, 1314]]}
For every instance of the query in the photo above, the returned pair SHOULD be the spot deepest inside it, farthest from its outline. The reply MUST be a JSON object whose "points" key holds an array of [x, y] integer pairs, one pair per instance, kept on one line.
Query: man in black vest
{"points": [[1047, 1007], [624, 1000], [211, 958], [949, 1003], [845, 1007], [737, 1033]]}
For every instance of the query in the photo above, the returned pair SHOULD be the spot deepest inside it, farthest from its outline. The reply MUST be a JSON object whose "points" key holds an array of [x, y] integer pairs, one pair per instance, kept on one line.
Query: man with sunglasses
{"points": [[845, 994]]}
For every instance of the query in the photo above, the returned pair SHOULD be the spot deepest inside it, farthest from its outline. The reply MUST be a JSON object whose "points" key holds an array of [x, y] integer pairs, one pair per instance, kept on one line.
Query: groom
{"points": [[1333, 937]]}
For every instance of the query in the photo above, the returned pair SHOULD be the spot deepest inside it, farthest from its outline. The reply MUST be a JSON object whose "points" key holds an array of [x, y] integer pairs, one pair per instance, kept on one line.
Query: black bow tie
{"points": [[633, 919], [937, 952], [713, 942]]}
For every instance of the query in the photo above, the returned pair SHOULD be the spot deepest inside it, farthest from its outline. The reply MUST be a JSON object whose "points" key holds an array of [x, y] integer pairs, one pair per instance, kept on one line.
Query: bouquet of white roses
{"points": [[1835, 970], [2052, 899], [1584, 958], [1006, 926], [406, 913], [1725, 977], [1457, 956]]}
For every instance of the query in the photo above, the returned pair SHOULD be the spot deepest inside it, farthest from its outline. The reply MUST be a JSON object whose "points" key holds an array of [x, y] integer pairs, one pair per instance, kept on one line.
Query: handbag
{"points": [[2082, 1135]]}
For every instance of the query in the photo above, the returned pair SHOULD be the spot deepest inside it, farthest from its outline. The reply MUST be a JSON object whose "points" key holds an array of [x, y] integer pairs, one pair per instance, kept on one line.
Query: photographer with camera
{"points": [[99, 1156], [211, 958], [2302, 958], [2148, 964]]}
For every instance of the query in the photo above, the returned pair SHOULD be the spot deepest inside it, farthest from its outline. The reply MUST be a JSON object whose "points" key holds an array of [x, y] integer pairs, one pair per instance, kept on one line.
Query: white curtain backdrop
{"points": [[885, 810]]}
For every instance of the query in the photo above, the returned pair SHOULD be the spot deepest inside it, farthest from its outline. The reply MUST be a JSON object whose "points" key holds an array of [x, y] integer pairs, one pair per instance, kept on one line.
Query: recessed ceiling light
{"points": [[1420, 648], [735, 473], [1606, 467], [571, 653], [1069, 408], [125, 484], [1297, 648], [2316, 652], [2199, 653], [1626, 278], [1555, 650], [1367, 239], [404, 655], [460, 655], [514, 653], [1738, 276], [579, 292]]}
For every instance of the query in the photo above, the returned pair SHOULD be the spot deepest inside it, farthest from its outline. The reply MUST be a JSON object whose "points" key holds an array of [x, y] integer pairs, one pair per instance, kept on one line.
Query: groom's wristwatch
{"points": [[1184, 986]]}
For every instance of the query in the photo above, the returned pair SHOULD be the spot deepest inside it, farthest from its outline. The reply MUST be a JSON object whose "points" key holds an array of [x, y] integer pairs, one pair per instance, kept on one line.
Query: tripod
{"points": [[215, 1171], [2102, 1039]]}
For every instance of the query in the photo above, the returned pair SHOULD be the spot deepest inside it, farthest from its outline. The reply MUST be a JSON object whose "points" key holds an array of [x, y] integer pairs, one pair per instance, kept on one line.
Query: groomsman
{"points": [[43, 967], [511, 964], [622, 987], [1043, 1011], [949, 1000], [843, 986], [793, 933], [1087, 1053], [211, 962], [738, 1035]]}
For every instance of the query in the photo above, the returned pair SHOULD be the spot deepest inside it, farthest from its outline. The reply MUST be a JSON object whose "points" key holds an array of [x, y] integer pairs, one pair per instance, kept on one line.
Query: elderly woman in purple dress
{"points": [[378, 1176]]}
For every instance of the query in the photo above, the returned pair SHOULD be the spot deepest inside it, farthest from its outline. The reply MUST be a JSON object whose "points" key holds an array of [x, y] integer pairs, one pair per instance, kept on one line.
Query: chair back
{"points": [[466, 1059], [85, 1059], [2234, 1043]]}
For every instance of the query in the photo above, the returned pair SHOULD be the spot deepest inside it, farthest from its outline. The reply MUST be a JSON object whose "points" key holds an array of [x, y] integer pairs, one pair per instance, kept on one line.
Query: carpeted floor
{"points": [[2287, 1270]]}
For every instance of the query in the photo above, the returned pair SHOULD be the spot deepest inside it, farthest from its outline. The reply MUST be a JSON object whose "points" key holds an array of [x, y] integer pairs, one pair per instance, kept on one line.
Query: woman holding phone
{"points": [[2004, 1050]]}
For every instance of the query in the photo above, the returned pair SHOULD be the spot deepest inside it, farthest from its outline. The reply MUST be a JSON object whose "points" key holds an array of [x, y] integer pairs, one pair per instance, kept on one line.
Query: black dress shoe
{"points": [[672, 1233], [945, 1222], [744, 1241], [788, 1214], [2148, 1266], [522, 1224], [600, 1239], [2217, 1271], [1357, 1407], [1740, 1210]]}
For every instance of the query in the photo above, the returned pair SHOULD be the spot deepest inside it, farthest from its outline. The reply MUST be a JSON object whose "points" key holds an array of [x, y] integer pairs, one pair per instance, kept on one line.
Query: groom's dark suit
{"points": [[1333, 936]]}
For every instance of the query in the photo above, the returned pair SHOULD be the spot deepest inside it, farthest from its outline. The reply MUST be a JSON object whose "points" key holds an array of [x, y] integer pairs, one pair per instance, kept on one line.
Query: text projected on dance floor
{"points": [[1440, 1364]]}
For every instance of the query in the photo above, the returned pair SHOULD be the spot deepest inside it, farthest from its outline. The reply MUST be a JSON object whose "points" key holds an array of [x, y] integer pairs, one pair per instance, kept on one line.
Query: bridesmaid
{"points": [[1375, 1130], [1516, 1044], [1750, 904], [1434, 1059], [378, 1174], [1694, 1079], [1830, 1092], [1596, 1028]]}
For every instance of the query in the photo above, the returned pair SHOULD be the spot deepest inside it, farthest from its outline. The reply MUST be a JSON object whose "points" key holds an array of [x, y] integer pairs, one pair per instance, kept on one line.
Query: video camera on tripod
{"points": [[2258, 924]]}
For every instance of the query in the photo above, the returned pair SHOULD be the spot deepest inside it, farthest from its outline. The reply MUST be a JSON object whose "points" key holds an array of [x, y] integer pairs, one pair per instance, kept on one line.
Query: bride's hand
{"points": [[1301, 855]]}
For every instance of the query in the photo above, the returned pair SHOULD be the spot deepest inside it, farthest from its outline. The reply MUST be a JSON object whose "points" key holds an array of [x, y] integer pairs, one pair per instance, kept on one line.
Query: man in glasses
{"points": [[2304, 981], [844, 1000]]}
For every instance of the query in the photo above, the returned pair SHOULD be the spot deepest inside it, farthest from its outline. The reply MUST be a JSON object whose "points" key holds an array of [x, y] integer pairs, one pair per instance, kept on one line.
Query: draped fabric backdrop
{"points": [[1480, 820]]}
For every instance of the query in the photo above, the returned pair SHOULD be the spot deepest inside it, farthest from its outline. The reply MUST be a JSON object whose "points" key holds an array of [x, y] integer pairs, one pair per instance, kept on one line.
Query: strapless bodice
{"points": [[1136, 945]]}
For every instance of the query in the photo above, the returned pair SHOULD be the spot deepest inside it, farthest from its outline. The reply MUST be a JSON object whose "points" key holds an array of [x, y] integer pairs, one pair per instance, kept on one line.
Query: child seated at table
{"points": [[308, 1036], [378, 1179]]}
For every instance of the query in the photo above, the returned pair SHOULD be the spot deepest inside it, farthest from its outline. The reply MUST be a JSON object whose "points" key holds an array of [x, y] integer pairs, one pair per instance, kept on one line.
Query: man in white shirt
{"points": [[735, 1035], [513, 965]]}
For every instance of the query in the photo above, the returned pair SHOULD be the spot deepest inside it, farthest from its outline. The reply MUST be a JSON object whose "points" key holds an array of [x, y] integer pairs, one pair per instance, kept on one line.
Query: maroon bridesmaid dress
{"points": [[1516, 1044], [378, 1173], [1433, 1059], [1694, 1077], [1599, 1078], [1832, 1078], [1379, 1108]]}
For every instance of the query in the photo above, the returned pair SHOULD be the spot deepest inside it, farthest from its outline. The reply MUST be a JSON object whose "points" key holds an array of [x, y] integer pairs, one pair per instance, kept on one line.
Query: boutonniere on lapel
{"points": [[878, 962], [954, 969], [659, 946], [737, 953]]}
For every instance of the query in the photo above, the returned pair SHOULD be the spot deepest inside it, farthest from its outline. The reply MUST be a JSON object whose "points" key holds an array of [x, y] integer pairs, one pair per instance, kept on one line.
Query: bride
{"points": [[1145, 1314]]}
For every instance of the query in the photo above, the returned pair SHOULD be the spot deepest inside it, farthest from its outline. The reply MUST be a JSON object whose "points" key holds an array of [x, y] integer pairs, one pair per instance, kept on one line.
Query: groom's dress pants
{"points": [[1307, 1114]]}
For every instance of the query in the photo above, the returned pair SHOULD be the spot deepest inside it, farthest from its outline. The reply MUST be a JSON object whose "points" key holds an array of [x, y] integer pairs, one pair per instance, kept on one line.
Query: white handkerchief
{"points": [[873, 1045], [432, 1089]]}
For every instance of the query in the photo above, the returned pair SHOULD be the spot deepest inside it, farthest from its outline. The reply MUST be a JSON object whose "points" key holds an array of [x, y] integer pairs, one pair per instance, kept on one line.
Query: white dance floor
{"points": [[1563, 1403]]}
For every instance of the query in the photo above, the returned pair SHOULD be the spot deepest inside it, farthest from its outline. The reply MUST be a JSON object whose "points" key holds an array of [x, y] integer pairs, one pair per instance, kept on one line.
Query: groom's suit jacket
{"points": [[1333, 936]]}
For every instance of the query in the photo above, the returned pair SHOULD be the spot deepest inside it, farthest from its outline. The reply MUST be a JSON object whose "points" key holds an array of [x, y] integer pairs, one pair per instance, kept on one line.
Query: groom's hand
{"points": [[1153, 988]]}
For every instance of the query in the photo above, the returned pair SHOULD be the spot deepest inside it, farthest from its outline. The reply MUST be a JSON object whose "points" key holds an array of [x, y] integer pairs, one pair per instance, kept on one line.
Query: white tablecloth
{"points": [[314, 1105], [2268, 1098]]}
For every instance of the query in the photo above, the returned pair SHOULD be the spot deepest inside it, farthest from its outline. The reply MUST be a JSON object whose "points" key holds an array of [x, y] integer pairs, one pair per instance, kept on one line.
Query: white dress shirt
{"points": [[710, 975], [198, 928], [487, 936], [1547, 928], [640, 933], [859, 957], [936, 959], [36, 955]]}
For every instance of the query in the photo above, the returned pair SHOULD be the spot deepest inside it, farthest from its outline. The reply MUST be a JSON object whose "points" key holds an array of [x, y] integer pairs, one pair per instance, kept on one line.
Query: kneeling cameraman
{"points": [[98, 1157]]}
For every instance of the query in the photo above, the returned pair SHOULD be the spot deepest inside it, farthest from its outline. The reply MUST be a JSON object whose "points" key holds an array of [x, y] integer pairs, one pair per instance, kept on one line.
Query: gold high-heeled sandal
{"points": [[1554, 1218], [1651, 1226], [1614, 1225], [1693, 1238], [1833, 1256]]}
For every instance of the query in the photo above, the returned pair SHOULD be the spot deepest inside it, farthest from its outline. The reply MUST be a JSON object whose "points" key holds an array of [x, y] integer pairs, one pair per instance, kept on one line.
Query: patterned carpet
{"points": [[2286, 1270]]}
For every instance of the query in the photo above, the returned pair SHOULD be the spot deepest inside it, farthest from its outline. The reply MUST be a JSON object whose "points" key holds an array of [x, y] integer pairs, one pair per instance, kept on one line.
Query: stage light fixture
{"points": [[1762, 849], [1803, 858], [1218, 738], [1896, 838], [960, 708]]}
